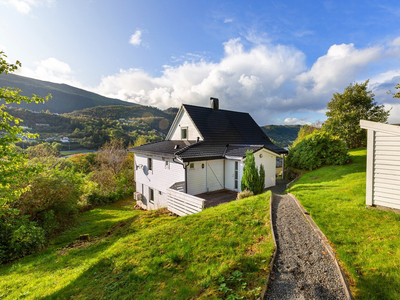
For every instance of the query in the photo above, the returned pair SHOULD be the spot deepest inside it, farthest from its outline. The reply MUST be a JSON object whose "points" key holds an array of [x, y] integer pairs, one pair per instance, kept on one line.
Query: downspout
{"points": [[283, 166], [185, 168]]}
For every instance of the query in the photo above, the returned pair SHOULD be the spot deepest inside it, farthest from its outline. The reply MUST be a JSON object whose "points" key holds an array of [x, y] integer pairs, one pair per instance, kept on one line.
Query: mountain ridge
{"points": [[65, 98]]}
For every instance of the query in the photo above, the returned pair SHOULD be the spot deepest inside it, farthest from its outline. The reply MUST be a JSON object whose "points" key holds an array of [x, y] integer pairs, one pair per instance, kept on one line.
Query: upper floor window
{"points": [[184, 133], [149, 164]]}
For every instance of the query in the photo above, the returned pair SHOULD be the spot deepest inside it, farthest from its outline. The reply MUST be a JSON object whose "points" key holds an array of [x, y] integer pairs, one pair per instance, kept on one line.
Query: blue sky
{"points": [[281, 61]]}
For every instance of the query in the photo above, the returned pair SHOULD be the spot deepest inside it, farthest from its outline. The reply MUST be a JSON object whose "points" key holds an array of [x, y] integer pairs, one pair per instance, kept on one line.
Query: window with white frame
{"points": [[149, 164]]}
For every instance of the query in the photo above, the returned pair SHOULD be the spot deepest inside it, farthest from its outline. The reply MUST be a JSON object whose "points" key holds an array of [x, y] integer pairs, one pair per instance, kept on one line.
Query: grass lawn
{"points": [[219, 252], [367, 241]]}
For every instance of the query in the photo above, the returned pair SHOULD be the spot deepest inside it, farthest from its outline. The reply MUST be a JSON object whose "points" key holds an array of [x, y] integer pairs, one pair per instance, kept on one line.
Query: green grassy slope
{"points": [[151, 255], [367, 240], [65, 97]]}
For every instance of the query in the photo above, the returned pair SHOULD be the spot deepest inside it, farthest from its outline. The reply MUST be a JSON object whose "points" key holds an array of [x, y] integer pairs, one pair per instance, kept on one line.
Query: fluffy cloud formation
{"points": [[263, 80], [271, 82], [50, 69], [24, 6], [244, 80], [136, 38], [295, 121]]}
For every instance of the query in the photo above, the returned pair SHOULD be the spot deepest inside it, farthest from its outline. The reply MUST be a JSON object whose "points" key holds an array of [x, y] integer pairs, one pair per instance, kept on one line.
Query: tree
{"points": [[14, 168], [251, 180], [346, 110], [397, 95]]}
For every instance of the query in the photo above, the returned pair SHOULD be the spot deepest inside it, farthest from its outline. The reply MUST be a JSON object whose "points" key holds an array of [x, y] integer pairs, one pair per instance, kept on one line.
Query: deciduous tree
{"points": [[14, 166], [347, 109]]}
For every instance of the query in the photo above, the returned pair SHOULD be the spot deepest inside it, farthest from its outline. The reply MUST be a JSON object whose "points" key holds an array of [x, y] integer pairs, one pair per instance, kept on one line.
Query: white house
{"points": [[204, 151], [383, 164]]}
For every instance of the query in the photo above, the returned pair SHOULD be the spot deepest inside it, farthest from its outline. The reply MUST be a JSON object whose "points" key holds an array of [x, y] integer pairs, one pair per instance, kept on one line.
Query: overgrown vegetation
{"points": [[366, 240], [40, 193], [317, 149], [220, 253]]}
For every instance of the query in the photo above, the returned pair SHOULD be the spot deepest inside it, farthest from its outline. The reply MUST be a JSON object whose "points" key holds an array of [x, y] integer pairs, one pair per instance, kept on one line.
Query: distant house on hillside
{"points": [[204, 151], [383, 164]]}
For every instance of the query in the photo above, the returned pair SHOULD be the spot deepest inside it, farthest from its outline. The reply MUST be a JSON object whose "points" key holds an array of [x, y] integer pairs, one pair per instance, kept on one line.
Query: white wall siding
{"points": [[207, 179], [185, 121], [386, 170], [159, 179], [268, 160]]}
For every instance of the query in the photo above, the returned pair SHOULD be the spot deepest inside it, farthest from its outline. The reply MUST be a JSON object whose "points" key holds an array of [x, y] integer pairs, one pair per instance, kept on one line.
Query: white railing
{"points": [[181, 203]]}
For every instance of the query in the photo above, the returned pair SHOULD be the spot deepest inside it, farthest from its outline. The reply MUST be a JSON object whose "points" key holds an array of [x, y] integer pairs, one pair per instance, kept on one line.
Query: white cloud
{"points": [[295, 121], [228, 20], [245, 80], [136, 38], [24, 6], [264, 80], [3, 48], [50, 69]]}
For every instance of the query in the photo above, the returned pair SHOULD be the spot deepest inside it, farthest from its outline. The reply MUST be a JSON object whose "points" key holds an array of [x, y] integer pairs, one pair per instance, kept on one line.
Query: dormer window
{"points": [[184, 133]]}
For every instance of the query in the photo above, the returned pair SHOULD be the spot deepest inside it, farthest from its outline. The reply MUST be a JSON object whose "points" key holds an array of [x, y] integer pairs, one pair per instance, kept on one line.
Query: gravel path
{"points": [[303, 269]]}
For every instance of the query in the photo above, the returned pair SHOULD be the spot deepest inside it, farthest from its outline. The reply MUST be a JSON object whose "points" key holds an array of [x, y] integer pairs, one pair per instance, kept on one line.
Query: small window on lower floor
{"points": [[151, 195], [159, 192]]}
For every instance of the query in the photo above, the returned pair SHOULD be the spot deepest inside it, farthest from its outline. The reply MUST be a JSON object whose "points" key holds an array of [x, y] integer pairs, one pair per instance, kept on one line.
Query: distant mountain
{"points": [[115, 112], [65, 97], [283, 135]]}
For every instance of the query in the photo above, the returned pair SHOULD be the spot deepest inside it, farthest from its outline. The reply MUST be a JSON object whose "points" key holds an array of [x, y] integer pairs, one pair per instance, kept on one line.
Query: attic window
{"points": [[184, 135]]}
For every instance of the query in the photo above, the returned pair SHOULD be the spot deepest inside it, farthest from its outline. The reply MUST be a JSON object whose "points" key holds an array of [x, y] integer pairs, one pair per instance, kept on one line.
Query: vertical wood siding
{"points": [[207, 179], [386, 170]]}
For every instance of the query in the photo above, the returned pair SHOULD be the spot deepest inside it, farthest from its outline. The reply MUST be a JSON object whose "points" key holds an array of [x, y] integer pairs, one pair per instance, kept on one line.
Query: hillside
{"points": [[65, 97], [283, 135], [222, 252], [116, 112]]}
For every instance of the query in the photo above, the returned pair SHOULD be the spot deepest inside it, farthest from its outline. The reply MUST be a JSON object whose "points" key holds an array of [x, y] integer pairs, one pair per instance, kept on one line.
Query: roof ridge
{"points": [[203, 107]]}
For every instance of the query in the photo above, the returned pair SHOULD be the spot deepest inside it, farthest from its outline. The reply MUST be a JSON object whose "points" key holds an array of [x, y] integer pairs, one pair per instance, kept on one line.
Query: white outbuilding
{"points": [[383, 164]]}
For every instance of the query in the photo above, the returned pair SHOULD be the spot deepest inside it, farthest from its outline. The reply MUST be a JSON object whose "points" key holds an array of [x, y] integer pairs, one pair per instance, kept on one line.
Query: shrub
{"points": [[53, 199], [19, 237], [251, 180], [317, 149], [244, 194]]}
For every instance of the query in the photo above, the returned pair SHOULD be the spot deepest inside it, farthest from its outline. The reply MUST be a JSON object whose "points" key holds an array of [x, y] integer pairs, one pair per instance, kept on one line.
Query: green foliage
{"points": [[317, 149], [42, 150], [18, 237], [14, 166], [251, 179], [282, 135], [346, 110], [304, 131], [81, 163], [53, 199]]}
